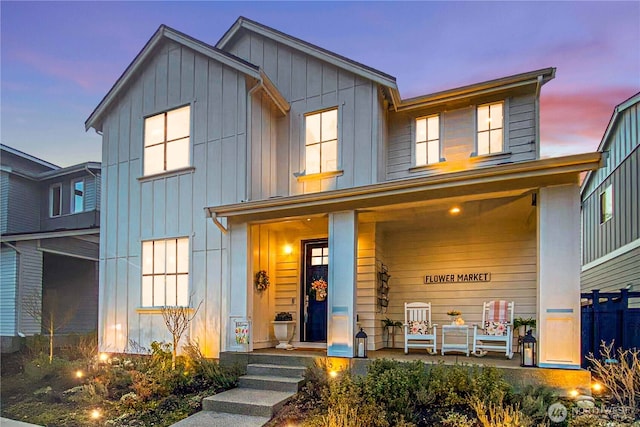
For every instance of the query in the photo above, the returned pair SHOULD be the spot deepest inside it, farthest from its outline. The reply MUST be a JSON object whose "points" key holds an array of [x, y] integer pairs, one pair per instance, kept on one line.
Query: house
{"points": [[49, 227], [268, 153], [610, 207]]}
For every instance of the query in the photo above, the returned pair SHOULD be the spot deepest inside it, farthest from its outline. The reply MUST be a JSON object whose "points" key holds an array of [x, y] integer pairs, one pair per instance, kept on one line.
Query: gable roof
{"points": [[604, 143], [343, 62], [165, 32]]}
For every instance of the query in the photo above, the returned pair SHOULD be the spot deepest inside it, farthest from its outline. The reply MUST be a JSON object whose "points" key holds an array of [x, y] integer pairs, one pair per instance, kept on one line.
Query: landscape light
{"points": [[104, 357], [597, 387], [79, 374], [95, 414], [574, 393]]}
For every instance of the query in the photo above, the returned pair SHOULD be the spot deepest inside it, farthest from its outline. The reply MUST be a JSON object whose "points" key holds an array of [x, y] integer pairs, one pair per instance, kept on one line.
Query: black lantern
{"points": [[528, 350], [361, 344]]}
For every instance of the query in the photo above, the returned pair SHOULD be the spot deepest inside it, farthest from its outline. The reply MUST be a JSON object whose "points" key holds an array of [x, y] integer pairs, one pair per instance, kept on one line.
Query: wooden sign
{"points": [[433, 279]]}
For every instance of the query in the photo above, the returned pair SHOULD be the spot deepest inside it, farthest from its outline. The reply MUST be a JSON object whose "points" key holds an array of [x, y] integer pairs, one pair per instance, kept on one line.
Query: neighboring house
{"points": [[49, 227], [611, 207], [266, 152]]}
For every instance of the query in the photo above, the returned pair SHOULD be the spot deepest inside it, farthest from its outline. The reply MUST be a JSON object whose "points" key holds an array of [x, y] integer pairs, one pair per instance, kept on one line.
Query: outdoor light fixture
{"points": [[104, 357], [79, 374], [95, 414], [333, 374], [597, 387], [288, 249], [361, 344], [454, 210], [574, 393], [528, 351]]}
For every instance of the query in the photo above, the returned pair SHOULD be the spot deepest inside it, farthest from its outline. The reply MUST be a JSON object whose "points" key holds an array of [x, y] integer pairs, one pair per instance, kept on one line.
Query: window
{"points": [[166, 141], [77, 196], [321, 142], [427, 140], [55, 200], [606, 205], [320, 256], [490, 126], [165, 272]]}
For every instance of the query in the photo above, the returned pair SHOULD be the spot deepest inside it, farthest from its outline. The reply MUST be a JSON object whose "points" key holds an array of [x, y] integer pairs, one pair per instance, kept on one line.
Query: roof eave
{"points": [[308, 48], [391, 192], [478, 89]]}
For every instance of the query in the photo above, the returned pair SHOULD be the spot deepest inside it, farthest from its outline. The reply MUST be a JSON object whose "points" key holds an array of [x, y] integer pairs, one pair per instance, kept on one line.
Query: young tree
{"points": [[51, 316], [177, 319]]}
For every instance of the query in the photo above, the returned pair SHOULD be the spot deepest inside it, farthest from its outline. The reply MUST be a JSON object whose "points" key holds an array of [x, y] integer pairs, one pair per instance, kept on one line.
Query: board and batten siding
{"points": [[458, 137], [507, 251], [137, 208], [8, 291], [311, 85], [4, 201], [624, 226]]}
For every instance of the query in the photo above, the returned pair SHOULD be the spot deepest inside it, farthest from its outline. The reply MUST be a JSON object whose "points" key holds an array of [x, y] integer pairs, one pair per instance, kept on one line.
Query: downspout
{"points": [[18, 288], [537, 109], [215, 220]]}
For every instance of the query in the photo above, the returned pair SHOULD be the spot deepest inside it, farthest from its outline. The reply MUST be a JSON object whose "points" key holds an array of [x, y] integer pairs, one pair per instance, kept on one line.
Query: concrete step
{"points": [[269, 382], [247, 401], [220, 419], [275, 370], [279, 359]]}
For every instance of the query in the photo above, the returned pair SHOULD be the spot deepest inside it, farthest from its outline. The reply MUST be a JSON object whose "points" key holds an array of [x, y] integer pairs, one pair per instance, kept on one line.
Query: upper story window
{"points": [[606, 205], [165, 273], [321, 142], [77, 196], [166, 141], [427, 140], [55, 200], [490, 128]]}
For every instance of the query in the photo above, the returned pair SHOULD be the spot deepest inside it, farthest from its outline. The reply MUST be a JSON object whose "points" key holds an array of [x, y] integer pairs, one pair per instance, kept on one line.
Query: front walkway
{"points": [[6, 422]]}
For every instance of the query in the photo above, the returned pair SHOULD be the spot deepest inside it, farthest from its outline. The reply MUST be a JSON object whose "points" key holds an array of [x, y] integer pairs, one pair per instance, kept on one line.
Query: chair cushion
{"points": [[419, 327], [496, 328]]}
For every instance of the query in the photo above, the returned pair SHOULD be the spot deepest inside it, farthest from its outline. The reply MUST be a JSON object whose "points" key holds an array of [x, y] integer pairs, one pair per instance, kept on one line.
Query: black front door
{"points": [[315, 281]]}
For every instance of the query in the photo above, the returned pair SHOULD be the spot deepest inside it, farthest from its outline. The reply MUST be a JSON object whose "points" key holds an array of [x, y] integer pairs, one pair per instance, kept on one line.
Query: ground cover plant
{"points": [[395, 393], [79, 388]]}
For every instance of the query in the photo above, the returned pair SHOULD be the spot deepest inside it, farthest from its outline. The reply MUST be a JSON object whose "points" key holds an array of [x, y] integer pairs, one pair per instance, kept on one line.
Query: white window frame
{"points": [[414, 150], [321, 142], [165, 142], [503, 127], [606, 201], [57, 185], [157, 272], [73, 209]]}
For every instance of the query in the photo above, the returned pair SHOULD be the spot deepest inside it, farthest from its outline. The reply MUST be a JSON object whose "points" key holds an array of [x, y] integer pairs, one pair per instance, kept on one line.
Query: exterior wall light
{"points": [[454, 210], [288, 249]]}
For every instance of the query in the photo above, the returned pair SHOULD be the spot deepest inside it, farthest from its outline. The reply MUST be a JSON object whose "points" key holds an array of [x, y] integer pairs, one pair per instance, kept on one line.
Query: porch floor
{"points": [[492, 359]]}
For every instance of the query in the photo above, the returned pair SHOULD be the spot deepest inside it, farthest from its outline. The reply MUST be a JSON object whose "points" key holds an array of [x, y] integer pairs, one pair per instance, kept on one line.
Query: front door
{"points": [[315, 281]]}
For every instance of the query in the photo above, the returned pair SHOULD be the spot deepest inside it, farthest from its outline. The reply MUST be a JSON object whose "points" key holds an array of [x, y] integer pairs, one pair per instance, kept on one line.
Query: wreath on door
{"points": [[261, 280]]}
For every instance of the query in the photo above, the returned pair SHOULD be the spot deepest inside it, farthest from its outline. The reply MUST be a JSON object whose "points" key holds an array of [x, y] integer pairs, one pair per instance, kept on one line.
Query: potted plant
{"points": [[521, 325], [283, 329], [390, 326]]}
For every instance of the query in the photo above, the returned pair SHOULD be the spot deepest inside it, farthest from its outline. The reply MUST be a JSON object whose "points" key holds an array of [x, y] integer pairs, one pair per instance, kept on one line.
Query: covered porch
{"points": [[517, 226]]}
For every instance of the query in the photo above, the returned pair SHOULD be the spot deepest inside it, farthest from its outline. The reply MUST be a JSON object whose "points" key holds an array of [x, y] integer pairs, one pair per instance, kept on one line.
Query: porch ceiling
{"points": [[517, 177]]}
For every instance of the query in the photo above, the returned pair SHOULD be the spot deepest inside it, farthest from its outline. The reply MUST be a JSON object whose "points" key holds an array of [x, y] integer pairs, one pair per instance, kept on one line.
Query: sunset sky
{"points": [[60, 58]]}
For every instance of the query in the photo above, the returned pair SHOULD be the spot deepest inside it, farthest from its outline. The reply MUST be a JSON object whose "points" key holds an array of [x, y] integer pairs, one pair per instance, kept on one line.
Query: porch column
{"points": [[559, 277], [237, 301], [343, 245]]}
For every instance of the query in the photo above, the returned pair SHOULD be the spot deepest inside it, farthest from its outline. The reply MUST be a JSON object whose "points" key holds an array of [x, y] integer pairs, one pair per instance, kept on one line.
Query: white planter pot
{"points": [[283, 330]]}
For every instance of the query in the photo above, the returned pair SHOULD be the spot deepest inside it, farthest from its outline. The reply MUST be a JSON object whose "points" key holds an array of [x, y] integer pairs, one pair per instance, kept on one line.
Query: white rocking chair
{"points": [[419, 332], [496, 331]]}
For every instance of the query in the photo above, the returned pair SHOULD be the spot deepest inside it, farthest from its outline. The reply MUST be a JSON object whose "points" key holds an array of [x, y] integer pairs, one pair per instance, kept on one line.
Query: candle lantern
{"points": [[528, 350], [361, 344]]}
